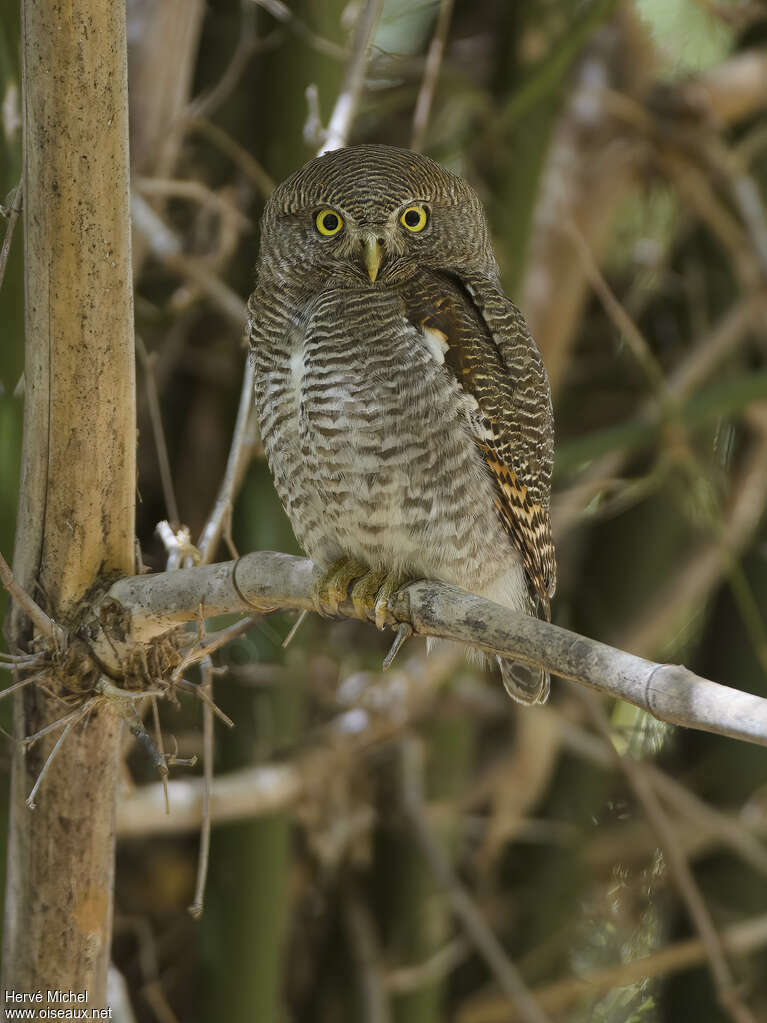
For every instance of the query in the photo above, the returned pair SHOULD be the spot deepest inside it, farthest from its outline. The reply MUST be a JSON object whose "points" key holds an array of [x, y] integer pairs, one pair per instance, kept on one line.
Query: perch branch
{"points": [[266, 581]]}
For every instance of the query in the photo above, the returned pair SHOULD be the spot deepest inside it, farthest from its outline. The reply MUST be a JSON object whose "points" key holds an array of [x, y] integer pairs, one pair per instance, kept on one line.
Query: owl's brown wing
{"points": [[495, 360]]}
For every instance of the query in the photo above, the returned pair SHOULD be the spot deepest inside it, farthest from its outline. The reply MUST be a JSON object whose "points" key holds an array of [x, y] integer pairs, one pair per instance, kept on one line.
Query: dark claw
{"points": [[404, 631]]}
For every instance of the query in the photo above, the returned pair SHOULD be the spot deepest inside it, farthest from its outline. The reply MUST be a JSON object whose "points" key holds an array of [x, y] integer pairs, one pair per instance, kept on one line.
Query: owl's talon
{"points": [[382, 612], [365, 592], [404, 632], [330, 590]]}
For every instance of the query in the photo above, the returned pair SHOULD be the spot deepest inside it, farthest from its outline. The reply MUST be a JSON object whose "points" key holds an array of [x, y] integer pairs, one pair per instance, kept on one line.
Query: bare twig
{"points": [[247, 163], [706, 566], [206, 685], [45, 625], [38, 677], [430, 75], [434, 969], [378, 712], [636, 341], [195, 191], [165, 246], [345, 108], [206, 646], [161, 750], [155, 417], [244, 442], [282, 13], [505, 972], [30, 800], [248, 43], [365, 950]]}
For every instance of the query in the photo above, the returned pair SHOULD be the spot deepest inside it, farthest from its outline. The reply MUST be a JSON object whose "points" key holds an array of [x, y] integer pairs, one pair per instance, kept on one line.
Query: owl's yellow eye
{"points": [[414, 218], [329, 222]]}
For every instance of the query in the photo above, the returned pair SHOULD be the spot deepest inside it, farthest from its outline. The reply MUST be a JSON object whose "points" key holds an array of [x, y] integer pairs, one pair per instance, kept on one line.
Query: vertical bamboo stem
{"points": [[76, 507]]}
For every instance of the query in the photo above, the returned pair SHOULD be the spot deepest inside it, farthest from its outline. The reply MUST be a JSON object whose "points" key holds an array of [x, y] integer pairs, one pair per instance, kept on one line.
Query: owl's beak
{"points": [[372, 256]]}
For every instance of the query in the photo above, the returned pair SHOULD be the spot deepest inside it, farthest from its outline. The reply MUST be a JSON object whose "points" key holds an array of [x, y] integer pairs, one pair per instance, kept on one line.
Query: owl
{"points": [[404, 408]]}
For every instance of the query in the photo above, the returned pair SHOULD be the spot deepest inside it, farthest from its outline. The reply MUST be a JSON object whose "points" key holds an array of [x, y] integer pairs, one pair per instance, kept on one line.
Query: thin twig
{"points": [[196, 191], [282, 13], [20, 685], [166, 247], [505, 972], [248, 44], [211, 642], [636, 341], [247, 163], [45, 625], [206, 686], [430, 75], [208, 700], [364, 948], [30, 800], [345, 108], [161, 750], [404, 979], [155, 417], [240, 455]]}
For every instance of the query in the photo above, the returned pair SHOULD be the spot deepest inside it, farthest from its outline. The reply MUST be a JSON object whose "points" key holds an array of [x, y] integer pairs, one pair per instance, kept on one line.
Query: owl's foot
{"points": [[376, 596], [330, 590], [370, 594]]}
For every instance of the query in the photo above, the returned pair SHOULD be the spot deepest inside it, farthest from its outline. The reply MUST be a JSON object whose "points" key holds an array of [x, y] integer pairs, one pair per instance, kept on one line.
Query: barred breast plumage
{"points": [[404, 409]]}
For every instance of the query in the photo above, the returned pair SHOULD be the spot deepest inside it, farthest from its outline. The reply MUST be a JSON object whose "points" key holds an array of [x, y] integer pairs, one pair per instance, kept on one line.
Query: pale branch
{"points": [[244, 442], [341, 119], [430, 75], [375, 710], [264, 581], [237, 795]]}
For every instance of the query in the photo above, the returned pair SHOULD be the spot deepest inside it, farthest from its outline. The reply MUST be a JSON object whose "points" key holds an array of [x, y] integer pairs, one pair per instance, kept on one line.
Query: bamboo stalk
{"points": [[76, 508]]}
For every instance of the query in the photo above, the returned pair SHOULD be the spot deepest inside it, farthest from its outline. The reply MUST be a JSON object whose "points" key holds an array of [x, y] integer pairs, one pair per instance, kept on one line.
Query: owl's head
{"points": [[370, 216]]}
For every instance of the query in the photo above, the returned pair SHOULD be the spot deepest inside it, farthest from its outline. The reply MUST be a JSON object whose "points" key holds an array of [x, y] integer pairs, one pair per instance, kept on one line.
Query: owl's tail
{"points": [[524, 684]]}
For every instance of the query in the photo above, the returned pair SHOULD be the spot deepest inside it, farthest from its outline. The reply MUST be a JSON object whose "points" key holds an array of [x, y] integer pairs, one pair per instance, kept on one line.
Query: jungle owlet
{"points": [[404, 408]]}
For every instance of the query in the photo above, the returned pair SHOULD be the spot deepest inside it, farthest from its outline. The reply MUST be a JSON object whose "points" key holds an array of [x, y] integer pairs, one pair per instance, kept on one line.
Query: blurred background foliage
{"points": [[621, 150]]}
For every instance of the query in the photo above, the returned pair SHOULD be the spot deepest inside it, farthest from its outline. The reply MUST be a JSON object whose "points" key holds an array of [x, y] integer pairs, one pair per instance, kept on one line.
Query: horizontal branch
{"points": [[150, 605]]}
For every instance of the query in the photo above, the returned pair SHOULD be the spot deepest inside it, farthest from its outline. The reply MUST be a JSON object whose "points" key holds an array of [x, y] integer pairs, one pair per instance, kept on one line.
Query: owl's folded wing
{"points": [[495, 360]]}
